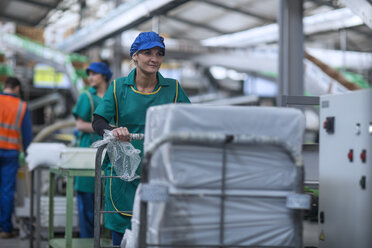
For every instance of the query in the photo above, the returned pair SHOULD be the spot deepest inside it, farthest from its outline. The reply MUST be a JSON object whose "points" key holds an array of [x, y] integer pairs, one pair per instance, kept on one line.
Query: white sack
{"points": [[46, 154]]}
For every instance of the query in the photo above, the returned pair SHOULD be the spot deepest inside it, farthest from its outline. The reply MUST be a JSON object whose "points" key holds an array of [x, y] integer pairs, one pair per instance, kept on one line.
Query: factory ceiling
{"points": [[239, 23], [26, 12], [326, 23]]}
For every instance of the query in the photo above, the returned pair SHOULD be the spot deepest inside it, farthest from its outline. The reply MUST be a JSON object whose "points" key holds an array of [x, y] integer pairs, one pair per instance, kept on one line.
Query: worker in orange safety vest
{"points": [[15, 134]]}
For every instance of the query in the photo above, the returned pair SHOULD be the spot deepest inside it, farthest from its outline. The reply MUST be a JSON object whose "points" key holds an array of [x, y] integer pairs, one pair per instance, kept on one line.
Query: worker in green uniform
{"points": [[99, 76], [126, 102]]}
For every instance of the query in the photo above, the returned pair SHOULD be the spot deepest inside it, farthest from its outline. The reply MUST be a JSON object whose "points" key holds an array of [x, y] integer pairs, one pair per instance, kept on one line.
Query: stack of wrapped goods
{"points": [[244, 204]]}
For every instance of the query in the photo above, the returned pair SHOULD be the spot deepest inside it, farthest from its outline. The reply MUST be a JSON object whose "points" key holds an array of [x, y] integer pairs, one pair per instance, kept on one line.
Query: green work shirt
{"points": [[84, 109], [131, 107]]}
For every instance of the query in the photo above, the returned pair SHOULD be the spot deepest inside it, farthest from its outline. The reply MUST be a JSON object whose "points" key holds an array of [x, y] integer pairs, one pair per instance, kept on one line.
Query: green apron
{"points": [[84, 108], [123, 100]]}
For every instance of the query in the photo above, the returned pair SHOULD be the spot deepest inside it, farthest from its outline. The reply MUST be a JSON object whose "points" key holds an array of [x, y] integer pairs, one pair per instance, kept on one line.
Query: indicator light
{"points": [[350, 155], [363, 156]]}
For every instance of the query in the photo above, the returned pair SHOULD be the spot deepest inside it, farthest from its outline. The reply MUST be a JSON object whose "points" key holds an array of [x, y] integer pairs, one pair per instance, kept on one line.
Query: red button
{"points": [[350, 155], [325, 124], [363, 156]]}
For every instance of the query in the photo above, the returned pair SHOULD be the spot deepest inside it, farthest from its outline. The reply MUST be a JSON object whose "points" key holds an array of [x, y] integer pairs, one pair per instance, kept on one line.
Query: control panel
{"points": [[345, 170]]}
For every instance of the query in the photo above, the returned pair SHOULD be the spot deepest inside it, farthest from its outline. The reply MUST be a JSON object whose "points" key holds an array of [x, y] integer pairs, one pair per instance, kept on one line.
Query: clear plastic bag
{"points": [[123, 156]]}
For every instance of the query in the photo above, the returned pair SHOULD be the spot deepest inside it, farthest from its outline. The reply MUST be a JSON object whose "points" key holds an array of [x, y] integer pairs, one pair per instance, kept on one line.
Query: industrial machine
{"points": [[345, 173]]}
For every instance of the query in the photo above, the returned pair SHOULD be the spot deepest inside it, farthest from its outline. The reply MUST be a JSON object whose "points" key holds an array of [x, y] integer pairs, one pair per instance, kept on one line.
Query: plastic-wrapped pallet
{"points": [[264, 172]]}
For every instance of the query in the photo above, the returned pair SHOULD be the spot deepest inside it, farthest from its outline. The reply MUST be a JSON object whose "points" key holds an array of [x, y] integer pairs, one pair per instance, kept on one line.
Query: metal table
{"points": [[68, 241]]}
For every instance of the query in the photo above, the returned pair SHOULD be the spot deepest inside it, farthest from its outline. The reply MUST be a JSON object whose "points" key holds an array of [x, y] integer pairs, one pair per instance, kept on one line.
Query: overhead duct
{"points": [[317, 82], [266, 59], [332, 20], [124, 17], [361, 8]]}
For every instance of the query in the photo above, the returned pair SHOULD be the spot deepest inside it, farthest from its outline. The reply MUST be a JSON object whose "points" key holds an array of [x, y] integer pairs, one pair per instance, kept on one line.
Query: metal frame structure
{"points": [[291, 52], [35, 215], [98, 196], [299, 100]]}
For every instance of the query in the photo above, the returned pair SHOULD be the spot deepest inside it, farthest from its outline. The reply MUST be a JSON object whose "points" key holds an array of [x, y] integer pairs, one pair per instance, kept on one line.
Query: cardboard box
{"points": [[35, 34]]}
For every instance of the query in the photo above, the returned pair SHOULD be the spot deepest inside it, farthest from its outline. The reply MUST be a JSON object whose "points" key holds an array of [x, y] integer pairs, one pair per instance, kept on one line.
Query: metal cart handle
{"points": [[137, 136]]}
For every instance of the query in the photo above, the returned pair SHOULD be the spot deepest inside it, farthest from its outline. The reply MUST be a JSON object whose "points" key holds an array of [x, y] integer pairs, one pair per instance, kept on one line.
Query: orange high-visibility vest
{"points": [[12, 111]]}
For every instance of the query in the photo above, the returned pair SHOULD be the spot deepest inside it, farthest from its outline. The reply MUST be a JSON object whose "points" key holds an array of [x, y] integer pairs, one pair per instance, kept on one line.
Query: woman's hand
{"points": [[121, 133]]}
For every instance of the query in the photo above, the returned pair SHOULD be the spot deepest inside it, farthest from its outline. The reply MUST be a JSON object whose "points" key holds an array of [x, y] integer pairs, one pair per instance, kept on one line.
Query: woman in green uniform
{"points": [[98, 77], [126, 102]]}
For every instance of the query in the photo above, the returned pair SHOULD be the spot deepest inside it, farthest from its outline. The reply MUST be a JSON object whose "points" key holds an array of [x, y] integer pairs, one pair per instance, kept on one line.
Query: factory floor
{"points": [[310, 238]]}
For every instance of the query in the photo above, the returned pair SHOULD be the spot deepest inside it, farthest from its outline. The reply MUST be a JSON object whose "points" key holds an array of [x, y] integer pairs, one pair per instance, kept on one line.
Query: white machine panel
{"points": [[78, 158], [345, 173]]}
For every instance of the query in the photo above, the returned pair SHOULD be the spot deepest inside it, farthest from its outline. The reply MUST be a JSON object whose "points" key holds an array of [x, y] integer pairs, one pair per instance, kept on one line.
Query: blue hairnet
{"points": [[101, 68], [147, 40]]}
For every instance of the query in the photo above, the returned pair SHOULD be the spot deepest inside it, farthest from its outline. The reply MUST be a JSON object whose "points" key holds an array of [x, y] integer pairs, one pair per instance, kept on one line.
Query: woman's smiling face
{"points": [[149, 61]]}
